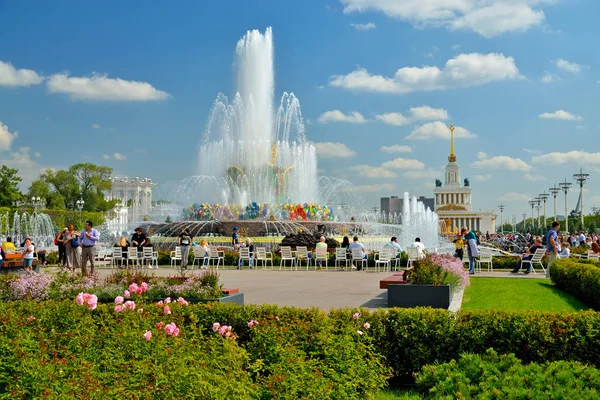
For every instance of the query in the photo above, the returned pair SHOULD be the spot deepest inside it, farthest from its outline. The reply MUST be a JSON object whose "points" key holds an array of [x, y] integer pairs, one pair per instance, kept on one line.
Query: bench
{"points": [[230, 291], [398, 278]]}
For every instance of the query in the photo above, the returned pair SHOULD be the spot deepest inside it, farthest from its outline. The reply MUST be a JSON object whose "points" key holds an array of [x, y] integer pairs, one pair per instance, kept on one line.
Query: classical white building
{"points": [[453, 201], [135, 202]]}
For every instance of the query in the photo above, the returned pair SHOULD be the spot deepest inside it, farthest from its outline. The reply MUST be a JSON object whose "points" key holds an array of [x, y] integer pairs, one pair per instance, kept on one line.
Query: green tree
{"points": [[93, 181], [9, 186]]}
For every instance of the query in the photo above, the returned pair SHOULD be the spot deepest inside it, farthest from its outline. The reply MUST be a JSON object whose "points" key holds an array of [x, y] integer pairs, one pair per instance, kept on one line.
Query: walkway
{"points": [[323, 289]]}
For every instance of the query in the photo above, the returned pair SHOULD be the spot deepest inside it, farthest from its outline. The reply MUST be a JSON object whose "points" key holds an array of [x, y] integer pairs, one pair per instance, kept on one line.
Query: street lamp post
{"points": [[80, 204], [544, 196], [581, 178], [501, 207], [554, 190], [532, 204], [565, 186], [524, 217], [538, 206]]}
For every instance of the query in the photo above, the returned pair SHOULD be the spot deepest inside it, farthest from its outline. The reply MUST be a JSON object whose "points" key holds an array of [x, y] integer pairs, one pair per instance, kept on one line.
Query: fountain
{"points": [[257, 170], [37, 226]]}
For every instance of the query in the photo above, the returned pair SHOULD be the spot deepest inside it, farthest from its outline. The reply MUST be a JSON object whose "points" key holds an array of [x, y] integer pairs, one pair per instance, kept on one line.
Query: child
{"points": [[460, 245], [28, 255]]}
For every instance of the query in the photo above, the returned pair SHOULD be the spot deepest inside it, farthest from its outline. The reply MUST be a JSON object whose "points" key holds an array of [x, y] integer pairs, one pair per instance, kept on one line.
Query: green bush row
{"points": [[493, 376], [581, 278]]}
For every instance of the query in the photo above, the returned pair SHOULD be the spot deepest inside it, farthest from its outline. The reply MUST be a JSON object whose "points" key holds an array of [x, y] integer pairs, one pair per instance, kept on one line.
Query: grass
{"points": [[395, 394], [518, 294]]}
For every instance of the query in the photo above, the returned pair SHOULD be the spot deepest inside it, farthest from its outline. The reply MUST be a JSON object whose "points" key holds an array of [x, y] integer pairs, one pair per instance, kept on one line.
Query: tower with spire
{"points": [[453, 199]]}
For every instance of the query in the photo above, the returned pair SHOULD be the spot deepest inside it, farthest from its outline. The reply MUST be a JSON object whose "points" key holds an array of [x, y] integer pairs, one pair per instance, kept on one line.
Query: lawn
{"points": [[518, 294]]}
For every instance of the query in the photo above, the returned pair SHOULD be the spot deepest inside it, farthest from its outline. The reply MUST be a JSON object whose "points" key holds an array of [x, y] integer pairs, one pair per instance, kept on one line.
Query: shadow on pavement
{"points": [[377, 302]]}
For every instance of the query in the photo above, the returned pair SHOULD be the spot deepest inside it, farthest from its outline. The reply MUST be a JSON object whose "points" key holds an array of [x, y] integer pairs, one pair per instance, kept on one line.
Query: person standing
{"points": [[61, 240], [185, 240], [235, 239], [552, 245], [459, 245], [28, 254], [472, 251], [89, 238], [72, 248]]}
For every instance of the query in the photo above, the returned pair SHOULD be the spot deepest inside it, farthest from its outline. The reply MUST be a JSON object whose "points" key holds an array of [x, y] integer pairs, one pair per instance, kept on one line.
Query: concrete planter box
{"points": [[236, 298], [409, 295]]}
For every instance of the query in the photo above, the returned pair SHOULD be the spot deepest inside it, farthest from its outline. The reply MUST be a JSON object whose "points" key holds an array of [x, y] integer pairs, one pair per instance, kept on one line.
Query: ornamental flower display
{"points": [[90, 300], [172, 329]]}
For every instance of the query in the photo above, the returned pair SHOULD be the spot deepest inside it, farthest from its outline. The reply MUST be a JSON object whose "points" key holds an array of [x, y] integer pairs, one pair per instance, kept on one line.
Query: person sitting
{"points": [[8, 246], [528, 256], [204, 248], [459, 245], [345, 243], [566, 250], [420, 248], [123, 243], [250, 246], [357, 245], [321, 245], [595, 248]]}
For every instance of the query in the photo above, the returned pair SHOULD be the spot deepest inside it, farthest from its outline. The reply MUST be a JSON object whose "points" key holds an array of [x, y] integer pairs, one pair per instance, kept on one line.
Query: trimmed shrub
{"points": [[581, 278], [491, 376]]}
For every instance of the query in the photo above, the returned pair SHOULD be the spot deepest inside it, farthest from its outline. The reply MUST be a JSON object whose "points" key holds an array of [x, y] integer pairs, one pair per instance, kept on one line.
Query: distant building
{"points": [[453, 201], [395, 205]]}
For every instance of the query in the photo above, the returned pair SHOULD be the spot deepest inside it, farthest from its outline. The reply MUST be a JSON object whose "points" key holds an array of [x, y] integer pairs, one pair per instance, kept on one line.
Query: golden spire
{"points": [[452, 157]]}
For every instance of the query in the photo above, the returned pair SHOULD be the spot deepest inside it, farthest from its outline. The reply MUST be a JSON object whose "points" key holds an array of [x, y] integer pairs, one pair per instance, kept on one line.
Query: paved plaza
{"points": [[323, 289]]}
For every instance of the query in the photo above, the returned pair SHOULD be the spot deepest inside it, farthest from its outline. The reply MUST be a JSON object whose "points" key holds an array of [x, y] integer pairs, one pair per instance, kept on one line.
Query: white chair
{"points": [[147, 256], [321, 255], [263, 256], [384, 258], [465, 258], [359, 256], [395, 257], [117, 257], [302, 255], [413, 255], [593, 256], [340, 257], [485, 257], [287, 255], [245, 255], [536, 259], [176, 256], [215, 255], [198, 253], [132, 256]]}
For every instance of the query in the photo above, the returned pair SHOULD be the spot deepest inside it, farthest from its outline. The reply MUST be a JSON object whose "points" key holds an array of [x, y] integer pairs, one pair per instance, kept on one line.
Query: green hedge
{"points": [[581, 278]]}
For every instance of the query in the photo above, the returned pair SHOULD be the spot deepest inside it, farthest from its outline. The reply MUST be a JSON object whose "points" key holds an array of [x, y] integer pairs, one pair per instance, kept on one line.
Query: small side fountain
{"points": [[37, 226]]}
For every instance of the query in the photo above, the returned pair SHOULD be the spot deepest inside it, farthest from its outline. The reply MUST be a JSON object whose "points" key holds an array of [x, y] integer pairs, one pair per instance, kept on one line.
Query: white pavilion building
{"points": [[453, 201]]}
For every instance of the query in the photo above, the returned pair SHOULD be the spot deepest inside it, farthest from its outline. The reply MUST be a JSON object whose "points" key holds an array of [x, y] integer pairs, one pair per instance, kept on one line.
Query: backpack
{"points": [[56, 239]]}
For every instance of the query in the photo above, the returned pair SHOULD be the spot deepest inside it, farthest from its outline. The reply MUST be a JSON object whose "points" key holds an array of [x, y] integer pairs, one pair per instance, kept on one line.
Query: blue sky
{"points": [[520, 78]]}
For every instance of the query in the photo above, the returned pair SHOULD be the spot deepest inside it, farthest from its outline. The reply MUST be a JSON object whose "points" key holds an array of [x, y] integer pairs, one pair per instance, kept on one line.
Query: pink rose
{"points": [[160, 303], [216, 326], [119, 300], [159, 325], [167, 310], [118, 308], [79, 299], [356, 316], [167, 300], [140, 310], [359, 332], [139, 291], [250, 324], [129, 305], [367, 325], [133, 287], [276, 318], [148, 335], [172, 329], [223, 330], [92, 301], [144, 286], [126, 294], [182, 301], [31, 318]]}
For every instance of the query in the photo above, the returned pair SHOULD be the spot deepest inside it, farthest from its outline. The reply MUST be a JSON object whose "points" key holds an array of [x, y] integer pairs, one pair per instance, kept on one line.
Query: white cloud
{"points": [[29, 169], [560, 115], [502, 162], [438, 130], [337, 116], [515, 196], [481, 155], [465, 70], [106, 156], [396, 119], [488, 18], [532, 151], [549, 78], [568, 66], [119, 156], [403, 163], [423, 174], [574, 157], [378, 187], [483, 178], [95, 126], [367, 171], [396, 148], [422, 113], [37, 155], [6, 137], [333, 150], [363, 27], [10, 76], [533, 178], [103, 88]]}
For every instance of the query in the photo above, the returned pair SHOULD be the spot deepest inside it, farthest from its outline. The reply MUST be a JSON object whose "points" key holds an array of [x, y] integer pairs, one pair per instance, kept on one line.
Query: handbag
{"points": [[75, 242]]}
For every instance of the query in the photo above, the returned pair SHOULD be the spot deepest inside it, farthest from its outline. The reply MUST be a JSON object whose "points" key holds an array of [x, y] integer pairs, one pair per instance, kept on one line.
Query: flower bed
{"points": [[439, 269]]}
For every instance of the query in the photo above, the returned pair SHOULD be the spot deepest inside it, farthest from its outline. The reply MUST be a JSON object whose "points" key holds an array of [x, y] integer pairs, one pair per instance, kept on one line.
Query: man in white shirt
{"points": [[581, 238], [393, 244], [357, 245], [420, 248]]}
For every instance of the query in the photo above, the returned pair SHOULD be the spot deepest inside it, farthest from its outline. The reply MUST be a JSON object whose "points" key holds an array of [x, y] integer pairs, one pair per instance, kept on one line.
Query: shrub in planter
{"points": [[489, 375], [439, 269]]}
